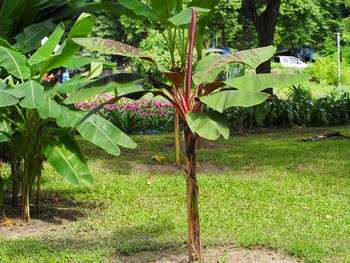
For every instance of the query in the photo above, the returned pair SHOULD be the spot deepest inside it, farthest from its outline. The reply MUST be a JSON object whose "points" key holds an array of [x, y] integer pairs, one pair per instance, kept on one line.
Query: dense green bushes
{"points": [[299, 109], [325, 70]]}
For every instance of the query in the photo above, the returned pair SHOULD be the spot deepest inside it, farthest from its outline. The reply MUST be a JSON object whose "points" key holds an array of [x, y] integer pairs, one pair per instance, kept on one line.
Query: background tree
{"points": [[263, 14], [224, 23]]}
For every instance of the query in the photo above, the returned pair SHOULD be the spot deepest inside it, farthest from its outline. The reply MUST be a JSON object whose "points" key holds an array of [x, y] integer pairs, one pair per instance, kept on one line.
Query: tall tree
{"points": [[224, 21], [264, 17]]}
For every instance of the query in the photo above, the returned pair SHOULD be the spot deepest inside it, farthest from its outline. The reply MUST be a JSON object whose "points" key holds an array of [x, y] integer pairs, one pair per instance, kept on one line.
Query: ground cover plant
{"points": [[264, 189]]}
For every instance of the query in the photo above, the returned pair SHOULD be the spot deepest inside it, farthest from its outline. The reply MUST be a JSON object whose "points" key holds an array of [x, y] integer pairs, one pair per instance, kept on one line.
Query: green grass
{"points": [[317, 90], [295, 198]]}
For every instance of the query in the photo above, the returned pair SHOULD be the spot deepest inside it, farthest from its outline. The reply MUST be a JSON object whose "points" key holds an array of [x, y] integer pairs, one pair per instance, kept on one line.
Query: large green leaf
{"points": [[65, 156], [209, 67], [8, 12], [81, 28], [140, 9], [164, 8], [9, 95], [110, 47], [32, 36], [209, 125], [103, 85], [51, 109], [78, 62], [185, 16], [115, 8], [222, 100], [5, 43], [104, 134], [69, 118], [73, 85], [45, 52], [34, 94], [259, 82], [15, 63], [96, 130], [116, 48], [4, 127], [96, 70]]}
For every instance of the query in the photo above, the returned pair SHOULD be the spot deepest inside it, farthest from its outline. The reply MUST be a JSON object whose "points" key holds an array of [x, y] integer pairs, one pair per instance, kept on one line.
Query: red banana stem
{"points": [[190, 57]]}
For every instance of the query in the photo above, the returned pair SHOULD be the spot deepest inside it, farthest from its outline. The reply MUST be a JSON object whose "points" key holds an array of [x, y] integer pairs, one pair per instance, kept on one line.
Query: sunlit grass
{"points": [[278, 192]]}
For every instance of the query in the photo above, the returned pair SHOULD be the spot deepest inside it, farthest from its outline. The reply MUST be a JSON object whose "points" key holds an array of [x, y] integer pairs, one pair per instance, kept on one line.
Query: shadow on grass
{"points": [[89, 246], [54, 208]]}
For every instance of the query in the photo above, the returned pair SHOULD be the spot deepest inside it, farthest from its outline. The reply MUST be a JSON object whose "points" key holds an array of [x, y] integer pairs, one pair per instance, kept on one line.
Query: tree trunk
{"points": [[194, 239], [38, 186], [16, 166], [25, 201], [241, 132], [223, 35], [265, 25]]}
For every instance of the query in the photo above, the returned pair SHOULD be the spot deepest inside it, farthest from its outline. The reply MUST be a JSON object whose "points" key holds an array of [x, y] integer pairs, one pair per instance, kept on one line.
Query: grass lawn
{"points": [[317, 90], [264, 189]]}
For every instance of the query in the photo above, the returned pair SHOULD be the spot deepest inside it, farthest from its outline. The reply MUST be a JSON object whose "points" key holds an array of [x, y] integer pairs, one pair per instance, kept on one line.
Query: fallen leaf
{"points": [[158, 158], [149, 179], [328, 216], [8, 221], [306, 208]]}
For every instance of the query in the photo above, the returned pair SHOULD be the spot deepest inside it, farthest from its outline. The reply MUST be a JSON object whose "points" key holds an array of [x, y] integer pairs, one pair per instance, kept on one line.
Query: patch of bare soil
{"points": [[54, 213], [171, 168], [211, 255], [17, 228]]}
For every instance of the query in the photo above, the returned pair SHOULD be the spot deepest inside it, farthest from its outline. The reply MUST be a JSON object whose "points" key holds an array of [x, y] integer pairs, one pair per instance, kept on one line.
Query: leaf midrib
{"points": [[14, 61], [108, 137], [64, 158]]}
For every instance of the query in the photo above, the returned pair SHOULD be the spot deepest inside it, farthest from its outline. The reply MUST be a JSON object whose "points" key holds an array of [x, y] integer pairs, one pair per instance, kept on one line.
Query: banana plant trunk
{"points": [[16, 166], [194, 239], [177, 138]]}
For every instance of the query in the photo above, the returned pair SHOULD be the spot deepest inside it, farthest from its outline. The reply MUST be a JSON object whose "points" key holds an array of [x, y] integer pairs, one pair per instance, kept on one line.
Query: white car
{"points": [[289, 62]]}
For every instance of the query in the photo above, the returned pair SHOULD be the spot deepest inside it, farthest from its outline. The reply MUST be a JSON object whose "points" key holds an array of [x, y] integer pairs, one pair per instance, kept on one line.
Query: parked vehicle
{"points": [[289, 62]]}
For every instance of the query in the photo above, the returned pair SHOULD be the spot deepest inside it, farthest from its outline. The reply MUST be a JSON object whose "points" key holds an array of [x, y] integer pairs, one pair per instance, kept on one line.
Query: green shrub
{"points": [[299, 109], [325, 70]]}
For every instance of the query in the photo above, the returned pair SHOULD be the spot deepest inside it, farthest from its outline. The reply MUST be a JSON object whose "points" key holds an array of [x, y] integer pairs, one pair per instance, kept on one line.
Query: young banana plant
{"points": [[187, 93], [36, 121]]}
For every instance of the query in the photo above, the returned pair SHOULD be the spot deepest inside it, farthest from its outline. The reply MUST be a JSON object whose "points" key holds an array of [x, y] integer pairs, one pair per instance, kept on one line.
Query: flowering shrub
{"points": [[139, 116]]}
